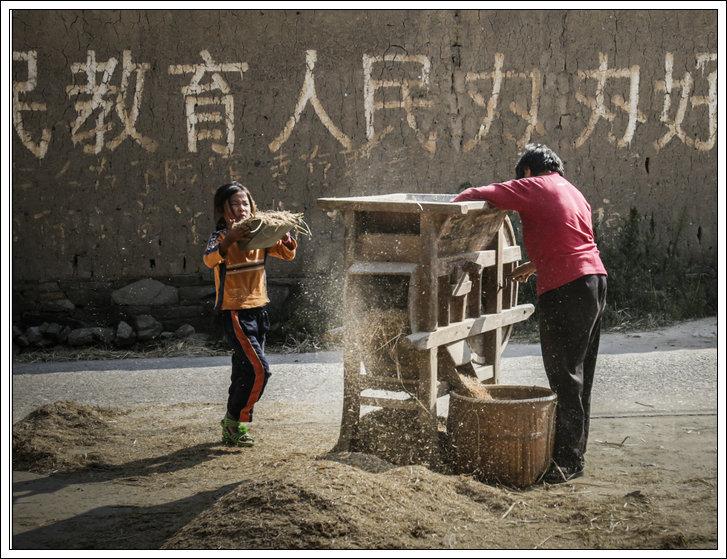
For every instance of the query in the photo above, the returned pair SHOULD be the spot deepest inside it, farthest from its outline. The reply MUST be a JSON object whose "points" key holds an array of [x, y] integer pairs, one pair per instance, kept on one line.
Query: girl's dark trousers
{"points": [[245, 332], [570, 330]]}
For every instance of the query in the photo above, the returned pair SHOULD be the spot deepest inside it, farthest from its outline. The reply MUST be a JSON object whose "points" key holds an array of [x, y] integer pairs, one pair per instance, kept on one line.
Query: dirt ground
{"points": [[159, 478]]}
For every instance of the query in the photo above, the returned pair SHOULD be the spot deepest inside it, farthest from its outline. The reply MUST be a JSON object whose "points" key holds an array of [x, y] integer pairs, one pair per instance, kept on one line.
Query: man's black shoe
{"points": [[561, 474]]}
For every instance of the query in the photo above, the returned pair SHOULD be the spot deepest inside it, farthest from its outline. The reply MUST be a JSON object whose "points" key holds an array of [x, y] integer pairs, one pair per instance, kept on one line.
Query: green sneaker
{"points": [[238, 438]]}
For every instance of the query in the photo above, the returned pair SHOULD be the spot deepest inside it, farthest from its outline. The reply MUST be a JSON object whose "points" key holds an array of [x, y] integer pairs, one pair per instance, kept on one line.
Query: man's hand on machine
{"points": [[522, 273]]}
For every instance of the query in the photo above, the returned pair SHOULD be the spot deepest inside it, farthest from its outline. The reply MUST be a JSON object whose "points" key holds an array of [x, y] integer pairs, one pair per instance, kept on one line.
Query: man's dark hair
{"points": [[538, 158]]}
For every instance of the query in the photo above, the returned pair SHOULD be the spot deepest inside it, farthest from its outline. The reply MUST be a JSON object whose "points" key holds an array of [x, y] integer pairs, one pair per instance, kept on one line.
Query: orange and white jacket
{"points": [[240, 276]]}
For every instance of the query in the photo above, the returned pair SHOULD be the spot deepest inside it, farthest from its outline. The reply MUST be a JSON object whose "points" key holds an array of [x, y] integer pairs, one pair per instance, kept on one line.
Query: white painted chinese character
{"points": [[308, 95], [497, 76], [598, 107], [215, 91], [99, 98], [40, 148], [281, 168], [317, 160], [686, 99], [407, 102]]}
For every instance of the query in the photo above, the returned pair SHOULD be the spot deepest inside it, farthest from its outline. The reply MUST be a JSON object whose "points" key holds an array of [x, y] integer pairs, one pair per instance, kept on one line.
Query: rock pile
{"points": [[52, 334], [135, 302]]}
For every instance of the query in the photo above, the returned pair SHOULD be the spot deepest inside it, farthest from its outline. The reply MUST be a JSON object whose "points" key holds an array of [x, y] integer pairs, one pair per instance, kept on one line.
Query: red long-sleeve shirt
{"points": [[557, 226]]}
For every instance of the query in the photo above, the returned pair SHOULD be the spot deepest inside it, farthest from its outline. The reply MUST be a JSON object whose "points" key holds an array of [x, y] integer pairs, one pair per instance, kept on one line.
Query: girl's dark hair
{"points": [[223, 194], [538, 158]]}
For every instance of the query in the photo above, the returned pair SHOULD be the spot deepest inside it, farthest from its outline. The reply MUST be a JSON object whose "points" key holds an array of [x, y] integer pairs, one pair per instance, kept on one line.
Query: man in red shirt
{"points": [[571, 285]]}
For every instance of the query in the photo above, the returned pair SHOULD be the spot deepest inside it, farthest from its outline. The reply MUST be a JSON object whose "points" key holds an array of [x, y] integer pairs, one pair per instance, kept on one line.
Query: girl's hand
{"points": [[288, 240], [522, 273], [238, 233], [234, 234]]}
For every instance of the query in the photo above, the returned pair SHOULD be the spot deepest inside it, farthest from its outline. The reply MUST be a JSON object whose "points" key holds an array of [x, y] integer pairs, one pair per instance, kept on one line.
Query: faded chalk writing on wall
{"points": [[108, 100], [308, 95], [407, 102], [599, 108], [20, 105], [98, 101], [686, 101], [490, 104], [215, 92]]}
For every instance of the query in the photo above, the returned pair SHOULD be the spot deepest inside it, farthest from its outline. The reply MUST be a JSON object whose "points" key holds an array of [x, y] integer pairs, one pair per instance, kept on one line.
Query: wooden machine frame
{"points": [[454, 259]]}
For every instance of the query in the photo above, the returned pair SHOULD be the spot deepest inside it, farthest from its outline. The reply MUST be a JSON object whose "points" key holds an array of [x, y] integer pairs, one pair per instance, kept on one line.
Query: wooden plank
{"points": [[493, 351], [427, 301], [457, 309], [389, 403], [459, 352], [511, 254], [403, 203], [415, 313], [443, 301], [427, 393], [351, 401], [462, 287], [478, 258], [485, 373], [386, 383], [474, 299], [383, 268], [465, 363], [493, 291], [469, 327]]}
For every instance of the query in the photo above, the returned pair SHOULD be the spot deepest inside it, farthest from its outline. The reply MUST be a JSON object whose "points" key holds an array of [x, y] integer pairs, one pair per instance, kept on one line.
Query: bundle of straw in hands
{"points": [[269, 226]]}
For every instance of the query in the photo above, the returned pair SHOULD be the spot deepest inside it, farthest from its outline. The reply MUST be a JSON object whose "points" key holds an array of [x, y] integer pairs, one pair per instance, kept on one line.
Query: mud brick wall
{"points": [[126, 121]]}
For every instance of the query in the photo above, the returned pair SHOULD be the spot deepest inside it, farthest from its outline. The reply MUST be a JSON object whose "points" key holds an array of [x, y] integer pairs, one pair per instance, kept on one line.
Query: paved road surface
{"points": [[670, 371]]}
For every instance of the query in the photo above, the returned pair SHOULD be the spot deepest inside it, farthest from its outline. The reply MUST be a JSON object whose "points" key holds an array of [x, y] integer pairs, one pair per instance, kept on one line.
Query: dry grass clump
{"points": [[194, 346], [62, 436], [276, 218], [377, 335], [327, 504], [378, 331]]}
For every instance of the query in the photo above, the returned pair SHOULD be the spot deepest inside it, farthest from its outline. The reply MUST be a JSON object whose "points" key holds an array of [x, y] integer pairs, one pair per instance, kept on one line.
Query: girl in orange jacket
{"points": [[241, 297]]}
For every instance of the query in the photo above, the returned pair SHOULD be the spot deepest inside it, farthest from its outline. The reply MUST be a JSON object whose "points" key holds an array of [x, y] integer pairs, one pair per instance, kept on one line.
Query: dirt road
{"points": [[130, 459]]}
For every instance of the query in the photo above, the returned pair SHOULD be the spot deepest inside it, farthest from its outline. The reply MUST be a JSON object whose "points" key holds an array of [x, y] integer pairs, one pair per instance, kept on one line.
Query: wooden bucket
{"points": [[507, 439]]}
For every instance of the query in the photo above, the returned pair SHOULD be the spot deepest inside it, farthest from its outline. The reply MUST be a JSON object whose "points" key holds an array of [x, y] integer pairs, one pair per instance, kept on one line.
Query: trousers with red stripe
{"points": [[245, 332]]}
